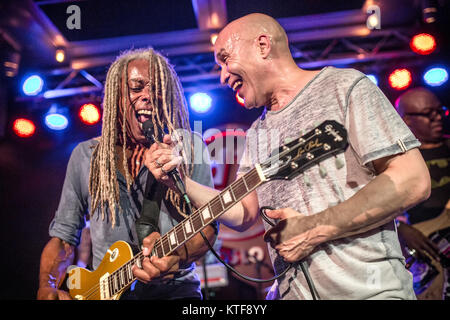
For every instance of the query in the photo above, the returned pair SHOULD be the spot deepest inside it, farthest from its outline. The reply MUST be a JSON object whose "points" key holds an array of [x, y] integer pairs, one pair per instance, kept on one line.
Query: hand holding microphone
{"points": [[161, 160]]}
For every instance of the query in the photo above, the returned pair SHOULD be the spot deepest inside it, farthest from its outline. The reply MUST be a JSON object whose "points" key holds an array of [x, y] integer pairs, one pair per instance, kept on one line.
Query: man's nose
{"points": [[224, 76], [145, 97]]}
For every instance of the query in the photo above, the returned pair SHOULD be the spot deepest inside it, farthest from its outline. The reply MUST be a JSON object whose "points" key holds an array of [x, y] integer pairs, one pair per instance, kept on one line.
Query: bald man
{"points": [[424, 113], [339, 220]]}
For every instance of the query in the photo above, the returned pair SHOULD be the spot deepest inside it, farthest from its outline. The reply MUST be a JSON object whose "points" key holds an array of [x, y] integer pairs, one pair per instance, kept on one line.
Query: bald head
{"points": [[416, 100], [251, 26], [255, 60], [419, 109]]}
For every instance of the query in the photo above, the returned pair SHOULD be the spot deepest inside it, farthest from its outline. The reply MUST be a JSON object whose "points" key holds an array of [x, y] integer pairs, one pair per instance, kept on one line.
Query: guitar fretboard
{"points": [[188, 228]]}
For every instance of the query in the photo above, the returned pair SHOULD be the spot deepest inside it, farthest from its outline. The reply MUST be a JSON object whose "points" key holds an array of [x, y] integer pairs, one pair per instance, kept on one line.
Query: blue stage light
{"points": [[32, 85], [373, 78], [56, 118], [435, 76], [200, 102], [56, 121]]}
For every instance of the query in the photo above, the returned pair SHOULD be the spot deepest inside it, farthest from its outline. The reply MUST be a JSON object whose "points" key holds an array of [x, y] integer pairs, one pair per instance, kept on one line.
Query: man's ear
{"points": [[264, 45]]}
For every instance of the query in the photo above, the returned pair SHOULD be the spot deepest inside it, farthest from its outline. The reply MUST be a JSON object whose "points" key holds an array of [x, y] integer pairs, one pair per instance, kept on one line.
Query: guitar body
{"points": [[85, 285]]}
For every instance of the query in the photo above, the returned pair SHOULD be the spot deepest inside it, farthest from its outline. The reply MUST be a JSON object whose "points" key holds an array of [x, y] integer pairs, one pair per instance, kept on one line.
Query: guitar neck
{"points": [[292, 158], [190, 226]]}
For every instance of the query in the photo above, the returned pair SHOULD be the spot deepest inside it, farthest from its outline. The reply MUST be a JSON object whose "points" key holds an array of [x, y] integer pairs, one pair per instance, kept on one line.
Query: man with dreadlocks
{"points": [[106, 178]]}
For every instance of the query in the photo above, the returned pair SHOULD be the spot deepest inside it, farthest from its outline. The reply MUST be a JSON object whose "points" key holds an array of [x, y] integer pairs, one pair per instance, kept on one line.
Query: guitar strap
{"points": [[151, 207]]}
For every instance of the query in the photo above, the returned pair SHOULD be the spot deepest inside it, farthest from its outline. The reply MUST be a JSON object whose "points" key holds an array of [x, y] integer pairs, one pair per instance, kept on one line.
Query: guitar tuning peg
{"points": [[306, 180], [294, 165], [322, 171], [339, 162]]}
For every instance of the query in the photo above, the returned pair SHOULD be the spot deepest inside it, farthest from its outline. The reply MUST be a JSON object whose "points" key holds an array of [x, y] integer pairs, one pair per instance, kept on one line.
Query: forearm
{"points": [[373, 206], [196, 247], [239, 217], [56, 257], [380, 201], [198, 193]]}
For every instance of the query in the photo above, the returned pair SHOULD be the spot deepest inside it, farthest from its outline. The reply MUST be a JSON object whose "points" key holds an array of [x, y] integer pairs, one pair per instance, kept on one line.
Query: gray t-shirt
{"points": [[365, 266], [75, 203]]}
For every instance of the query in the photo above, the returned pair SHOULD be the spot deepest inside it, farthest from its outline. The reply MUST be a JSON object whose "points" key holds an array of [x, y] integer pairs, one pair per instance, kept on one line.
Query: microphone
{"points": [[174, 175]]}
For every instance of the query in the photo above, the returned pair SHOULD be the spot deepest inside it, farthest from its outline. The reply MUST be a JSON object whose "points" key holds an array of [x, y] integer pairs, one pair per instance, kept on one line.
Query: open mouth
{"points": [[143, 115], [237, 85]]}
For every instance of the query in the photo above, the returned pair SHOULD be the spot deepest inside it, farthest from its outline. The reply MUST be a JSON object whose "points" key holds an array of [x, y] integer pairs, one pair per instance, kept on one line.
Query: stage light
{"points": [[446, 111], [373, 78], [373, 22], [11, 63], [423, 44], [213, 38], [400, 79], [435, 77], [55, 118], [56, 121], [32, 85], [89, 113], [429, 10], [239, 99], [60, 55], [24, 128], [200, 102]]}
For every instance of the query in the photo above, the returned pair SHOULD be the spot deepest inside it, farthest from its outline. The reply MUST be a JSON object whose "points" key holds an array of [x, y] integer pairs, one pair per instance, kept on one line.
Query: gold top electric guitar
{"points": [[113, 276]]}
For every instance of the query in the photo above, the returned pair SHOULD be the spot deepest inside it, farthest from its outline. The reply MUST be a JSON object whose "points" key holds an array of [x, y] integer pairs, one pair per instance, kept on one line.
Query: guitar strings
{"points": [[253, 179], [93, 290], [196, 218]]}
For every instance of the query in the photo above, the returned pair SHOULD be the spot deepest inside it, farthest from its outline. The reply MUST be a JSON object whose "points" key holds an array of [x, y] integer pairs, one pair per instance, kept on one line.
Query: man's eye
{"points": [[136, 89]]}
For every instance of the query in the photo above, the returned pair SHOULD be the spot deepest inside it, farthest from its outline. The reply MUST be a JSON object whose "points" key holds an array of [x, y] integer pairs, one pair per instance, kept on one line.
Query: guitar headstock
{"points": [[289, 160]]}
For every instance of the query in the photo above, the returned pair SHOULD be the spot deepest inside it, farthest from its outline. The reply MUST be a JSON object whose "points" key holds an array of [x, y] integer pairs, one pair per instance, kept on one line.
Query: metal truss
{"points": [[336, 38]]}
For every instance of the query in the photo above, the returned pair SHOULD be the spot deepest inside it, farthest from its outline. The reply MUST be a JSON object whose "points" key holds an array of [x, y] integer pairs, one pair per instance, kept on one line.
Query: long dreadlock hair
{"points": [[169, 110]]}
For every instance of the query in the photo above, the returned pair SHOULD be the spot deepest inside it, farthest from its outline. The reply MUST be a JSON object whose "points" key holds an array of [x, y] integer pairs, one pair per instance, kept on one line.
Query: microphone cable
{"points": [[303, 264], [148, 132], [213, 251]]}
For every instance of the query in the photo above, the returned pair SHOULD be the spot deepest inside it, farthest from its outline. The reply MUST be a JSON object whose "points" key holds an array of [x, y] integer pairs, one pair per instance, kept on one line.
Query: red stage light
{"points": [[24, 128], [89, 113], [239, 99], [400, 79], [423, 43]]}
